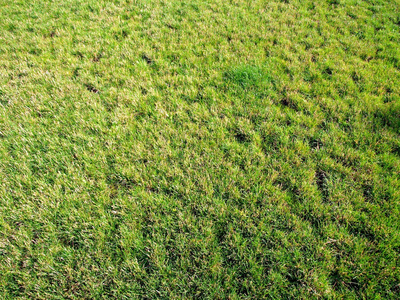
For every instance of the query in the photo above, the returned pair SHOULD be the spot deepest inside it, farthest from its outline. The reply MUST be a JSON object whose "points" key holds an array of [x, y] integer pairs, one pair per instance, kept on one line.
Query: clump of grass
{"points": [[245, 76]]}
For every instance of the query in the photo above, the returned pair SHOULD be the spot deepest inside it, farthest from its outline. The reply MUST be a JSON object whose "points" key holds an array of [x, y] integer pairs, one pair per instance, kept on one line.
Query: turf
{"points": [[199, 149]]}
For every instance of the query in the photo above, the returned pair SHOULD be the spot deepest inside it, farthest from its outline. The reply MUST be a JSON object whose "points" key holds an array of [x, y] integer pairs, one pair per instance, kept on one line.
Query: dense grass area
{"points": [[199, 149]]}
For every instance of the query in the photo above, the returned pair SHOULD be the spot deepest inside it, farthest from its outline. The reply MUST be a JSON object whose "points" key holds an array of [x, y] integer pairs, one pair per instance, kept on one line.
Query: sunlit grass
{"points": [[199, 149]]}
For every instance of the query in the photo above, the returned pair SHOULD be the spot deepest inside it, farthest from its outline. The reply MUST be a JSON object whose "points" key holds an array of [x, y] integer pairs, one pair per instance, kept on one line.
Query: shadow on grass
{"points": [[389, 115]]}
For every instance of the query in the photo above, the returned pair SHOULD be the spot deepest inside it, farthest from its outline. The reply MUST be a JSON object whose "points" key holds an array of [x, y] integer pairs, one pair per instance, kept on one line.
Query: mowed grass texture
{"points": [[199, 149]]}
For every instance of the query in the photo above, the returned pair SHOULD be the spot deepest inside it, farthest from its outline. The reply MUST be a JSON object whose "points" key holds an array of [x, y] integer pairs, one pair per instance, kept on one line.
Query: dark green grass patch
{"points": [[246, 76]]}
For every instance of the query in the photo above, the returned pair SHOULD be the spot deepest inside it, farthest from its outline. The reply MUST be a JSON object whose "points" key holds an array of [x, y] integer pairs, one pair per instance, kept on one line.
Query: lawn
{"points": [[193, 149]]}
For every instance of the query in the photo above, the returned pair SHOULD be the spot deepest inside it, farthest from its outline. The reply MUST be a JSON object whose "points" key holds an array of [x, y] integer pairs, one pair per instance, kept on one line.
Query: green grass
{"points": [[199, 149]]}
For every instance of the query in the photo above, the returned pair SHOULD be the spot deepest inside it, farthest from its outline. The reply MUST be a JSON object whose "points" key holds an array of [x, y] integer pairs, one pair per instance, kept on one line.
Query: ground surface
{"points": [[199, 149]]}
